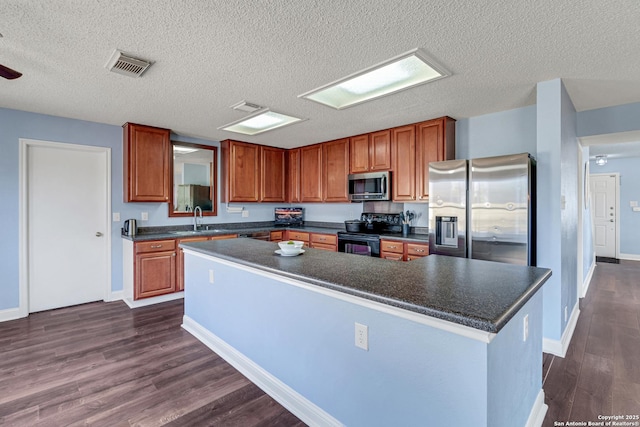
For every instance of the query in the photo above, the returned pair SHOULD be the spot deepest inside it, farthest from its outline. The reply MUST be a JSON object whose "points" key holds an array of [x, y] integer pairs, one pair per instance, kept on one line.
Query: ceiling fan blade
{"points": [[8, 73]]}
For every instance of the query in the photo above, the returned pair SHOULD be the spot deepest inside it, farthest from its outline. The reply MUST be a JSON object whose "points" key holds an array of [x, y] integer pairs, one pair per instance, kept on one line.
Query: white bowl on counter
{"points": [[290, 247]]}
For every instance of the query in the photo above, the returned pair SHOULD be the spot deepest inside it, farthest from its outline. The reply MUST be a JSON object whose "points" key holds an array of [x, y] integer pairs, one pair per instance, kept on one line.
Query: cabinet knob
{"points": [[419, 250], [156, 246]]}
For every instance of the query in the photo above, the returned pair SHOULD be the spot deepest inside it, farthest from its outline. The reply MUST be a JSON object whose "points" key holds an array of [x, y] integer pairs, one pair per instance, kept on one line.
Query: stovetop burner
{"points": [[378, 223]]}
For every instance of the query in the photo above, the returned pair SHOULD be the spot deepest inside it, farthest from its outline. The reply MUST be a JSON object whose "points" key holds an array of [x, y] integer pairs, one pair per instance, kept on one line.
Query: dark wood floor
{"points": [[102, 364], [600, 374]]}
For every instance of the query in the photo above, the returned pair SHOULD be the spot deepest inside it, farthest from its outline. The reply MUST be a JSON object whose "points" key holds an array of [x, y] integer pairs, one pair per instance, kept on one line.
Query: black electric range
{"points": [[367, 241]]}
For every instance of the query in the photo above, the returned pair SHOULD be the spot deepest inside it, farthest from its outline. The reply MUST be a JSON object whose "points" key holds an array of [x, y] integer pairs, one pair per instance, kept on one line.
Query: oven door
{"points": [[359, 245]]}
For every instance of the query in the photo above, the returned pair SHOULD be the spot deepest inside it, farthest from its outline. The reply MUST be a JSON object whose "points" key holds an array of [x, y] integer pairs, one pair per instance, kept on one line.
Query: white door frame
{"points": [[616, 175], [582, 181], [23, 248]]}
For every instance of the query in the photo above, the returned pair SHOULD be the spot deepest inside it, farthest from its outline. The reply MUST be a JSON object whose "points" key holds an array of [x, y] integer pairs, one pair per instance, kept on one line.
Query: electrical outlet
{"points": [[116, 217], [245, 213], [144, 216], [210, 276], [525, 328], [362, 336]]}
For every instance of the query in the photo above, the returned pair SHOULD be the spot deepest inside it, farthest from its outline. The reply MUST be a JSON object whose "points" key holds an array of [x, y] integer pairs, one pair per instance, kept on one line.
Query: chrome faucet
{"points": [[195, 217]]}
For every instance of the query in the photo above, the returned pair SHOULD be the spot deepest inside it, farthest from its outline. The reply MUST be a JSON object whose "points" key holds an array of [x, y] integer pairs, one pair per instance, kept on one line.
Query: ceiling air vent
{"points": [[126, 65]]}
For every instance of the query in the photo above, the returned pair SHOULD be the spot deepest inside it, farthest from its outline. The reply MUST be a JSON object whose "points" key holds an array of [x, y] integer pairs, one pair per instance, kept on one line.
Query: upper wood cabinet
{"points": [[311, 173], [240, 171], [273, 171], [252, 173], [413, 148], [435, 142], [403, 154], [335, 158], [370, 152], [147, 163], [293, 175]]}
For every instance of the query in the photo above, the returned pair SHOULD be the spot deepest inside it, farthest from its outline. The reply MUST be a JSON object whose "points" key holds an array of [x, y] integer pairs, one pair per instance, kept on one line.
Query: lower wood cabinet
{"points": [[327, 242], [276, 236], [402, 251], [154, 268], [303, 236]]}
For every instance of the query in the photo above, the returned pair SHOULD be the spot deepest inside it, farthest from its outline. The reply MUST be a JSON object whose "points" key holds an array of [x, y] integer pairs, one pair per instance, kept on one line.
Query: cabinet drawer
{"points": [[391, 256], [325, 247], [391, 246], [224, 236], [417, 249], [325, 239], [276, 236], [155, 246], [298, 235]]}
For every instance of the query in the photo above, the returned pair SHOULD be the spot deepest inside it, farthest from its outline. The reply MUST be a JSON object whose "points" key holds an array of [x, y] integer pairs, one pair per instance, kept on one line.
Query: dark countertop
{"points": [[480, 294], [160, 233]]}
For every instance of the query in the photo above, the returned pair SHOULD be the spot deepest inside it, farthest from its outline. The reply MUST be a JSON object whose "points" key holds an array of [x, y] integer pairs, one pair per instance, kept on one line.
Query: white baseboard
{"points": [[115, 296], [538, 411], [298, 405], [587, 280], [629, 257], [153, 300], [12, 314], [559, 348]]}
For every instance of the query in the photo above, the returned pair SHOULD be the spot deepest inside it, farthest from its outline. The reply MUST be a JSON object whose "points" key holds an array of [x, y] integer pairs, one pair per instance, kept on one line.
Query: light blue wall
{"points": [[412, 374], [629, 170], [497, 134], [557, 200], [588, 251], [19, 124], [602, 121]]}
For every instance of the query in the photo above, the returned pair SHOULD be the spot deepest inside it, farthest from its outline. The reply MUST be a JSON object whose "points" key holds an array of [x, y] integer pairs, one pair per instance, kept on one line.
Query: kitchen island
{"points": [[444, 337]]}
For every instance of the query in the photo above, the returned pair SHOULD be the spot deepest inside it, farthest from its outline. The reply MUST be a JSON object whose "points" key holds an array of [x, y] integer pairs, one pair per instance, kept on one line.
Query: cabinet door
{"points": [[146, 169], [380, 151], [272, 174], [335, 155], [359, 154], [180, 261], [276, 236], [435, 141], [155, 274], [415, 250], [293, 175], [241, 171], [311, 173], [403, 155]]}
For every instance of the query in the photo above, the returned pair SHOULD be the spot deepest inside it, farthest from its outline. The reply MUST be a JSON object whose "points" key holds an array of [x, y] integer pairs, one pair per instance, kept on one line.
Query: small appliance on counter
{"points": [[130, 227], [289, 217]]}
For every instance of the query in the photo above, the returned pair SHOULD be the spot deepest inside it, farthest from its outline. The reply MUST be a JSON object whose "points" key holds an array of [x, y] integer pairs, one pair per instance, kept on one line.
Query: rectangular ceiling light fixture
{"points": [[402, 72], [262, 121]]}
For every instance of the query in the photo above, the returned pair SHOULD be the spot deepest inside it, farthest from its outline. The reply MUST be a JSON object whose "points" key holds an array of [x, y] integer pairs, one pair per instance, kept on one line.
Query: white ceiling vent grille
{"points": [[126, 65]]}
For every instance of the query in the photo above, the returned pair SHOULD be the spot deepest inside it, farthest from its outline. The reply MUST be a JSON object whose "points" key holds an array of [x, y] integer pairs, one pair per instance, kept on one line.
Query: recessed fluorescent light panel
{"points": [[402, 72], [262, 121]]}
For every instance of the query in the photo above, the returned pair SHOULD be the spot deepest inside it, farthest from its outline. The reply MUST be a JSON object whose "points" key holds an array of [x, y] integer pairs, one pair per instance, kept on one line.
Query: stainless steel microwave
{"points": [[370, 186]]}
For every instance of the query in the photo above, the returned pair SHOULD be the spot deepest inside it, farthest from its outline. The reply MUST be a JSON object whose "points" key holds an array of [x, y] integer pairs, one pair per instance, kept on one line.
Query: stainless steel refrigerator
{"points": [[484, 208]]}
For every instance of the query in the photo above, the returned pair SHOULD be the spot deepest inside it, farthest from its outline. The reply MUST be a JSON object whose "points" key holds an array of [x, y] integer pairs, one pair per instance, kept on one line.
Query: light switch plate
{"points": [[116, 217], [144, 216], [636, 209], [245, 214], [633, 203]]}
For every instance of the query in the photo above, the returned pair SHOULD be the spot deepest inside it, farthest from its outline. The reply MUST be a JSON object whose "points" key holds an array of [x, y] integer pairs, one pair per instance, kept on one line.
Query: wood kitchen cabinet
{"points": [[293, 175], [413, 147], [147, 163], [154, 268], [276, 236], [403, 154], [370, 152], [311, 173], [335, 171], [327, 242], [402, 251], [240, 171], [435, 142], [302, 236], [273, 172], [252, 173]]}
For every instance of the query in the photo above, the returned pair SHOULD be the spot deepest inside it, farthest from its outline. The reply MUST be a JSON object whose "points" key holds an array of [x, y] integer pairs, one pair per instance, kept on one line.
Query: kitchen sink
{"points": [[193, 232]]}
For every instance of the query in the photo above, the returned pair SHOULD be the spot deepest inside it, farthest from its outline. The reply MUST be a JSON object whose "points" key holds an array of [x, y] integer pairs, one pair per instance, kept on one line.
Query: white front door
{"points": [[604, 206], [66, 224]]}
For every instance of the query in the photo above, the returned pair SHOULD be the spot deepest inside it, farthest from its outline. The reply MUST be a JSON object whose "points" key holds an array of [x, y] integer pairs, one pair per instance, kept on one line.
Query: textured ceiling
{"points": [[209, 55]]}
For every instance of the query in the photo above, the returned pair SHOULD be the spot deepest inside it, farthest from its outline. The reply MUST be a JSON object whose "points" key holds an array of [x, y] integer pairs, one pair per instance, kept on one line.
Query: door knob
{"points": [[98, 234]]}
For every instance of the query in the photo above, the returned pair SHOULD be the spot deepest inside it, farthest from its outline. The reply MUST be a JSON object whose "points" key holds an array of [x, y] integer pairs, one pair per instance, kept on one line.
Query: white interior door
{"points": [[67, 225], [604, 208]]}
